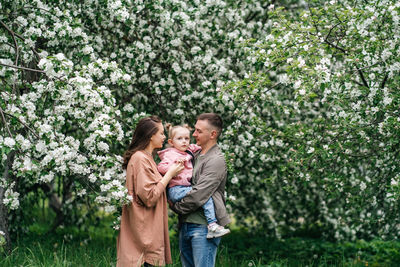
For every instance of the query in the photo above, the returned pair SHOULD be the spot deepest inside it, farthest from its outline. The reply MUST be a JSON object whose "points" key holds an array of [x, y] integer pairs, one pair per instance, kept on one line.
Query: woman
{"points": [[143, 236]]}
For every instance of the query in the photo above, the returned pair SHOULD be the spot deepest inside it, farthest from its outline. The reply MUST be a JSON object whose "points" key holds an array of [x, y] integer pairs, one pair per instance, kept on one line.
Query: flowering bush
{"points": [[78, 76], [60, 117], [177, 52], [311, 119], [62, 129], [314, 139]]}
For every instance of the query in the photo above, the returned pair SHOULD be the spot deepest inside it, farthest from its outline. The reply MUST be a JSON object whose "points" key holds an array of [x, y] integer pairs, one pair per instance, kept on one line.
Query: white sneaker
{"points": [[216, 230]]}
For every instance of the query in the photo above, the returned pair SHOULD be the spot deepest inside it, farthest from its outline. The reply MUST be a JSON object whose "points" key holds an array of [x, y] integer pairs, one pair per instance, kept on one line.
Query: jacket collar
{"points": [[212, 150]]}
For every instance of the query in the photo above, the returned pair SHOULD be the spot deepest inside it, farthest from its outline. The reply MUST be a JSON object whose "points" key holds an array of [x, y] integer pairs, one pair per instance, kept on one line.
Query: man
{"points": [[209, 178]]}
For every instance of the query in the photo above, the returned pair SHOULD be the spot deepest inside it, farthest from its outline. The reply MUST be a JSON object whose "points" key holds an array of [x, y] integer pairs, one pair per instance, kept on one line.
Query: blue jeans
{"points": [[195, 249], [178, 192]]}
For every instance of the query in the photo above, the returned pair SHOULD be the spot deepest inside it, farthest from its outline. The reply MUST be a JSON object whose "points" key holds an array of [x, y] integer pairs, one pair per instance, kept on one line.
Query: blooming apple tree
{"points": [[177, 52], [77, 75], [59, 118], [315, 138]]}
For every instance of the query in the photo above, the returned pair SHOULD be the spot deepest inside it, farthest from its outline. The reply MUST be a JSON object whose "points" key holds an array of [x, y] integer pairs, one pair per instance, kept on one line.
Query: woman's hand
{"points": [[175, 168]]}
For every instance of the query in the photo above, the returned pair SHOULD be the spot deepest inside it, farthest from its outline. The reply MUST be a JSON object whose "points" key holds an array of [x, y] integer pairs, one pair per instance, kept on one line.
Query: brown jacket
{"points": [[209, 179], [143, 236]]}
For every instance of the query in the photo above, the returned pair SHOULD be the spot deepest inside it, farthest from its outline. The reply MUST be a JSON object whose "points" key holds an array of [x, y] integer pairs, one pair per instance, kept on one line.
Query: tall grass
{"points": [[96, 246]]}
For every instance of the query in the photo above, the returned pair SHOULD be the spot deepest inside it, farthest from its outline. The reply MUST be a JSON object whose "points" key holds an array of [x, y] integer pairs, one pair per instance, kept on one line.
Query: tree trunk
{"points": [[3, 208], [55, 204]]}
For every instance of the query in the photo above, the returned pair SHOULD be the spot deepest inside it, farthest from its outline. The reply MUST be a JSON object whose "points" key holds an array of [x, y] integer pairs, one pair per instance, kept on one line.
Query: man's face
{"points": [[202, 132]]}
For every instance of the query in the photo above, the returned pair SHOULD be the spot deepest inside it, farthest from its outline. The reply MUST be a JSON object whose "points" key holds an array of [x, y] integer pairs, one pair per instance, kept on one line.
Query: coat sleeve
{"points": [[194, 148], [208, 182], [147, 187], [130, 179], [165, 163]]}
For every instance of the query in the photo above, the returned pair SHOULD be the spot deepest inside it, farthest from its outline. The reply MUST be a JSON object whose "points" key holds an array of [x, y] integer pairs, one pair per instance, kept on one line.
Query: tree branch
{"points": [[19, 36], [3, 209], [384, 81], [26, 126], [21, 68], [356, 82], [363, 78], [330, 43], [312, 14], [16, 48], [335, 46], [5, 122]]}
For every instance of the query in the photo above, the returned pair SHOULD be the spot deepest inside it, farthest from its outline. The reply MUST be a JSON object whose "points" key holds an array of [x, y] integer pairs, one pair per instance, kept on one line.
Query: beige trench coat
{"points": [[143, 235]]}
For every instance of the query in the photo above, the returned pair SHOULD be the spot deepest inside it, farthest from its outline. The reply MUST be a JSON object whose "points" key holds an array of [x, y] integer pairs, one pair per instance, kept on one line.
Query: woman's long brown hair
{"points": [[145, 129]]}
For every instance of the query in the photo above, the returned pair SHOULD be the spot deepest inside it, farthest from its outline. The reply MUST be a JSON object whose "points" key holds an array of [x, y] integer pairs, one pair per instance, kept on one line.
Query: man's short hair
{"points": [[214, 120]]}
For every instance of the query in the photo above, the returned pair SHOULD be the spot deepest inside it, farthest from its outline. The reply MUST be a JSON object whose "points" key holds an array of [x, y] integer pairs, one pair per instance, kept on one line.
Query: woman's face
{"points": [[157, 140]]}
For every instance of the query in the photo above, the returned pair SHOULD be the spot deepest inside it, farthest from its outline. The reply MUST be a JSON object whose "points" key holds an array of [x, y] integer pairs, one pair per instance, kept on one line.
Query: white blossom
{"points": [[8, 141]]}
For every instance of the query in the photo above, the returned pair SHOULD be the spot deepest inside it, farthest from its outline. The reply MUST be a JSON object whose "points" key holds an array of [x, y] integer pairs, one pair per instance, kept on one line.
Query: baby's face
{"points": [[181, 139]]}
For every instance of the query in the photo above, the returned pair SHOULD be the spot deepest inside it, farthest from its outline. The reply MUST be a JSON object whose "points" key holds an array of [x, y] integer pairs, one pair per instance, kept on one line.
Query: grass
{"points": [[96, 246], [62, 250]]}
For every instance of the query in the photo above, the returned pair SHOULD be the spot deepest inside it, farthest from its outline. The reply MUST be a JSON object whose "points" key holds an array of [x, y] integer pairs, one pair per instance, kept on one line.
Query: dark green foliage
{"points": [[296, 251]]}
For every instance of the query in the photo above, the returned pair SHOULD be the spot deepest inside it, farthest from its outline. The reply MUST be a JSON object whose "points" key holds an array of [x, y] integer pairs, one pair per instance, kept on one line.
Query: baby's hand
{"points": [[182, 160]]}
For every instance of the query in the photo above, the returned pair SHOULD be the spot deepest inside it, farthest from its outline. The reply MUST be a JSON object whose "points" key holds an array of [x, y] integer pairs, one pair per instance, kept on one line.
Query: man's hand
{"points": [[172, 206]]}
